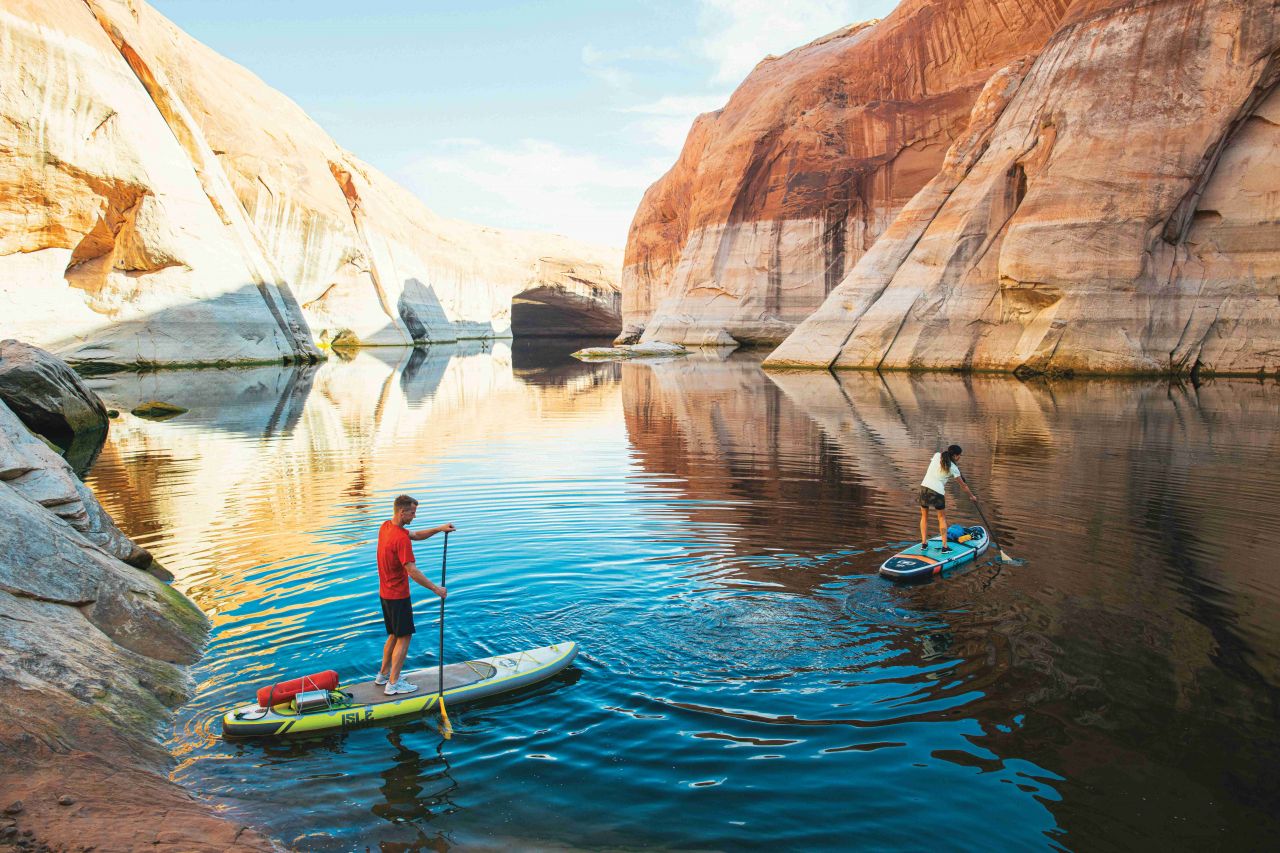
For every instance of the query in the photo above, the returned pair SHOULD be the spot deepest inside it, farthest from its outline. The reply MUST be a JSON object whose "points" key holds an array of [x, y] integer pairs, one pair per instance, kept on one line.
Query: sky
{"points": [[546, 116]]}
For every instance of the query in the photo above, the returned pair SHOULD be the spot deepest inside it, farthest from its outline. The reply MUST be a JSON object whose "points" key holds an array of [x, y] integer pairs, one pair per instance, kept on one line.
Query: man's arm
{"points": [[412, 570], [419, 535]]}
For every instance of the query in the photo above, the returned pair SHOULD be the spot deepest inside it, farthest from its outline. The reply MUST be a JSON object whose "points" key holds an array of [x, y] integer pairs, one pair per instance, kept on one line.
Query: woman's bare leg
{"points": [[924, 526], [942, 526]]}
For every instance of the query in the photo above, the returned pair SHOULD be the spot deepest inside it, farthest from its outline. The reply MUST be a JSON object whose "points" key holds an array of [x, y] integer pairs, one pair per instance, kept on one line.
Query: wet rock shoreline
{"points": [[93, 646]]}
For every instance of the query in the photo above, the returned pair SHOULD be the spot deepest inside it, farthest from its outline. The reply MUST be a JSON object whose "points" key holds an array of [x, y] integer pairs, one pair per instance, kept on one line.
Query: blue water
{"points": [[709, 533]]}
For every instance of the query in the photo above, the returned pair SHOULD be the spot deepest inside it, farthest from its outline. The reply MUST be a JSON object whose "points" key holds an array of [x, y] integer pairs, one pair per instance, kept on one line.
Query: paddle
{"points": [[446, 728], [1003, 556]]}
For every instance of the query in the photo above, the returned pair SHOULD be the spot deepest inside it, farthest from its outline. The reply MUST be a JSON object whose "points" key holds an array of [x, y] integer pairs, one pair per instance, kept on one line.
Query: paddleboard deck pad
{"points": [[364, 703], [916, 563]]}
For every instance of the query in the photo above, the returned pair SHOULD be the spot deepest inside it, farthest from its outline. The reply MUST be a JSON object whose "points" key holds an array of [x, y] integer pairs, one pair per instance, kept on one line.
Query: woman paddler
{"points": [[933, 493]]}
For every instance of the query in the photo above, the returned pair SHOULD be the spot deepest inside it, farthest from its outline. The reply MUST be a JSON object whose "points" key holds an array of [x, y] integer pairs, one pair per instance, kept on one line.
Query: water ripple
{"points": [[709, 535]]}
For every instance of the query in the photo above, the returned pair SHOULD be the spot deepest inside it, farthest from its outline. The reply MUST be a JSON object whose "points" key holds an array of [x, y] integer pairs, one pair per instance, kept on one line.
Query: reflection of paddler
{"points": [[406, 797], [933, 493], [395, 566]]}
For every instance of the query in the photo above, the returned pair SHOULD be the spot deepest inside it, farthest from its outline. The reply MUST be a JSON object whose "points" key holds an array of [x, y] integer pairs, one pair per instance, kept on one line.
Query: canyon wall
{"points": [[776, 196], [161, 204], [1113, 206]]}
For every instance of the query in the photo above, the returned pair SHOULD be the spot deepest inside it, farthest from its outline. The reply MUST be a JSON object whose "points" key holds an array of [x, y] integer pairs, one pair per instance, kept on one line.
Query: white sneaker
{"points": [[380, 680], [400, 686]]}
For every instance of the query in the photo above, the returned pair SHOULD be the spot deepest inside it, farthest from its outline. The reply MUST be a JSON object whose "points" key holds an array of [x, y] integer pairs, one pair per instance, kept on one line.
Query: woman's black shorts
{"points": [[929, 499], [397, 615]]}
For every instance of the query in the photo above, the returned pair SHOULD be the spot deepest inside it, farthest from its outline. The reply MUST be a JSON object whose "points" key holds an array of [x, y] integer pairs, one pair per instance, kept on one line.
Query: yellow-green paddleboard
{"points": [[366, 702]]}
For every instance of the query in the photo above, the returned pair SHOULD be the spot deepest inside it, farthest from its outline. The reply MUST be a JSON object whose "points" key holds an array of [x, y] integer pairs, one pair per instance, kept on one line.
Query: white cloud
{"points": [[667, 120], [617, 67], [737, 34], [532, 184], [679, 105], [542, 185], [734, 36], [668, 134], [599, 66]]}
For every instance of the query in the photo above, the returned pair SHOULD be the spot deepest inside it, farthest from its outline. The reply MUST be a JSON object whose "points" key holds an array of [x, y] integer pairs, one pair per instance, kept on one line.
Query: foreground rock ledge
{"points": [[52, 400], [91, 655]]}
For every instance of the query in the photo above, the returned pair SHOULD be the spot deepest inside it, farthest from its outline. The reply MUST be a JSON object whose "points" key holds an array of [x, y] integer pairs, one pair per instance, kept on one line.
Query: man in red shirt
{"points": [[395, 567]]}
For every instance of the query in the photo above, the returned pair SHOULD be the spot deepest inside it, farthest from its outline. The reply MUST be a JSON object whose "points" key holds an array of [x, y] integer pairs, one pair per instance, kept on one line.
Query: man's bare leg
{"points": [[398, 654], [387, 648]]}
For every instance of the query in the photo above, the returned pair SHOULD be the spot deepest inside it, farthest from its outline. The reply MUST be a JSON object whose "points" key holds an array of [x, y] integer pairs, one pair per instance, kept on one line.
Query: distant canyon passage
{"points": [[1034, 186], [160, 204]]}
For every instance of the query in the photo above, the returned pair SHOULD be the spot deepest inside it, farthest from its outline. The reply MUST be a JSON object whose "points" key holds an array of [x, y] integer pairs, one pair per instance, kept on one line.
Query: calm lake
{"points": [[709, 534]]}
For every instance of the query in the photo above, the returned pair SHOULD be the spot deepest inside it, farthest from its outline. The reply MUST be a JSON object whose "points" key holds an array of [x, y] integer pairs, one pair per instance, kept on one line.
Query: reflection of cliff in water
{"points": [[549, 361], [1142, 475], [1140, 638], [748, 459], [1136, 651], [281, 451]]}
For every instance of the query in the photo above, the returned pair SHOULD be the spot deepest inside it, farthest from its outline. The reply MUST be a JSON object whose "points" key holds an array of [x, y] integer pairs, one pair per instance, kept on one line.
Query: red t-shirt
{"points": [[395, 548]]}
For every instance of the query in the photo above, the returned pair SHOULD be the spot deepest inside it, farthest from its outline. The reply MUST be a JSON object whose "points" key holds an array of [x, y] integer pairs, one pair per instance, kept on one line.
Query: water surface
{"points": [[709, 534]]}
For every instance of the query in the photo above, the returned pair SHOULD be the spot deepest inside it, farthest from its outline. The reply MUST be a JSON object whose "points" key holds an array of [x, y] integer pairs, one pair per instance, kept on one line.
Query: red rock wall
{"points": [[1111, 208], [778, 194]]}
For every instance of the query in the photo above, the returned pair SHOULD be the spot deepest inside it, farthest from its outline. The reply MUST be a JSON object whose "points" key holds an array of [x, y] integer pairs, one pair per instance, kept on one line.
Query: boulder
{"points": [[651, 349], [158, 410], [52, 400]]}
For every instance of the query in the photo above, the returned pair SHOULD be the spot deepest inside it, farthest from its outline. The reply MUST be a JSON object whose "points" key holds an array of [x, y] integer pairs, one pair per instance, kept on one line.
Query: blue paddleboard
{"points": [[916, 563]]}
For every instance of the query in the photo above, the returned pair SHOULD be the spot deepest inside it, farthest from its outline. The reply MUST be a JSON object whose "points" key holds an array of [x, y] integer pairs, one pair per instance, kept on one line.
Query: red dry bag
{"points": [[286, 690]]}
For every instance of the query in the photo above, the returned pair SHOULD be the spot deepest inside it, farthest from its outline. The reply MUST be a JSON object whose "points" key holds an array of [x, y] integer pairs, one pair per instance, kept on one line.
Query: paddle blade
{"points": [[446, 728]]}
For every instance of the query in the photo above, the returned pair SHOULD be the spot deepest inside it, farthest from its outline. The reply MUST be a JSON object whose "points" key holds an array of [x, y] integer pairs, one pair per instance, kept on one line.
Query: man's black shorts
{"points": [[397, 615], [929, 499]]}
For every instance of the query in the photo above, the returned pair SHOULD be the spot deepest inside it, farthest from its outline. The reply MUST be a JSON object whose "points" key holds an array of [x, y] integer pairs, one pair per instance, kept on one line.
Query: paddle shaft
{"points": [[444, 565], [987, 524]]}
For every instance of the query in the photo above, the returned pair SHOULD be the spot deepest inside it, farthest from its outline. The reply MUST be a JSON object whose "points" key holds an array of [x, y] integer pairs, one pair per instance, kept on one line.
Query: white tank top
{"points": [[935, 478]]}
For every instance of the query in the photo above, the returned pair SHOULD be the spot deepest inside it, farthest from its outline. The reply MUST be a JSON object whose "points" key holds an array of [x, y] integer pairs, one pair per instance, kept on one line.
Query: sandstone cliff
{"points": [[775, 197], [160, 204], [1113, 206]]}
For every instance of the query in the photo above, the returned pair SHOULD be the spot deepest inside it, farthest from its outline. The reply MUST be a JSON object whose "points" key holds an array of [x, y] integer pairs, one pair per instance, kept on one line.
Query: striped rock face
{"points": [[776, 196], [119, 240], [160, 204], [1111, 207]]}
